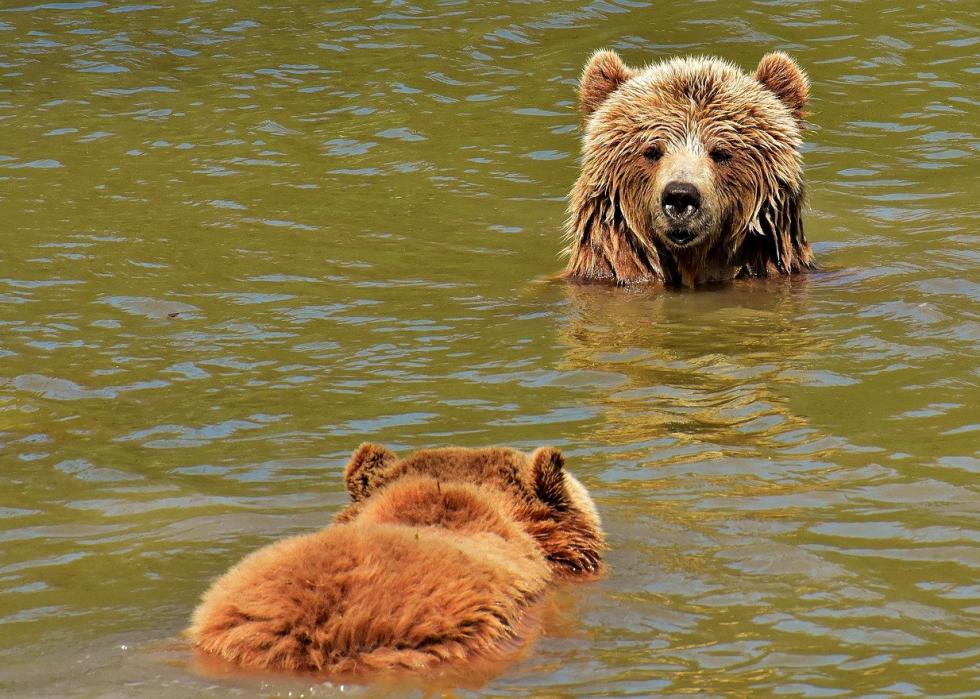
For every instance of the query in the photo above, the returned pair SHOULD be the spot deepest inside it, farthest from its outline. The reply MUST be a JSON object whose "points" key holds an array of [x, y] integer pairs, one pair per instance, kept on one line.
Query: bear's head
{"points": [[689, 157], [545, 500]]}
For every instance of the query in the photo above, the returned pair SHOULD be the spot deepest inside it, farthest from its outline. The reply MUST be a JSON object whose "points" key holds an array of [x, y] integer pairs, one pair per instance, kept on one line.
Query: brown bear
{"points": [[691, 172], [436, 563]]}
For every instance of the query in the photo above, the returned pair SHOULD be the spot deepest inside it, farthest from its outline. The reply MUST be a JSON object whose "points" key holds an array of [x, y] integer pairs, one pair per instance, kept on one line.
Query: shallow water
{"points": [[239, 241]]}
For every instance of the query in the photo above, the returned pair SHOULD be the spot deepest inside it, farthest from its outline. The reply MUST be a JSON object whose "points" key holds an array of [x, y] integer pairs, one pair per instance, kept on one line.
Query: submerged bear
{"points": [[436, 564], [691, 172]]}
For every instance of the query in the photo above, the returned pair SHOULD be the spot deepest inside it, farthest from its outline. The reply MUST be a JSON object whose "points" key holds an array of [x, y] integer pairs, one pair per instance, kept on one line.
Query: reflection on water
{"points": [[772, 537], [241, 240], [707, 367]]}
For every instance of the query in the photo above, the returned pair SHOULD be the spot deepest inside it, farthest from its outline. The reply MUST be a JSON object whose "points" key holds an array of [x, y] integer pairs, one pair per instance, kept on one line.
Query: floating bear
{"points": [[436, 563]]}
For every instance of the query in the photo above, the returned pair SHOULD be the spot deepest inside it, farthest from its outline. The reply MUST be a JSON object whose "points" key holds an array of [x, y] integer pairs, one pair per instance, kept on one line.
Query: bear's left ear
{"points": [[780, 74], [548, 478], [603, 75], [365, 470]]}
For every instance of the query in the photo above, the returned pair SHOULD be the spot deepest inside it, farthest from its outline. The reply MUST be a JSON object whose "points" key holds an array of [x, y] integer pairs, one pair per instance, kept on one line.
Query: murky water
{"points": [[239, 239]]}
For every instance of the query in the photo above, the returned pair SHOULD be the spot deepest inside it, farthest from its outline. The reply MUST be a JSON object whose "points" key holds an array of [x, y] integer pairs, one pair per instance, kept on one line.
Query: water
{"points": [[238, 241]]}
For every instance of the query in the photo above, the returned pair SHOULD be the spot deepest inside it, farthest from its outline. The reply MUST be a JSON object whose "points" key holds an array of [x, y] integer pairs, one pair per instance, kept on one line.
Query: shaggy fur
{"points": [[436, 563], [702, 121]]}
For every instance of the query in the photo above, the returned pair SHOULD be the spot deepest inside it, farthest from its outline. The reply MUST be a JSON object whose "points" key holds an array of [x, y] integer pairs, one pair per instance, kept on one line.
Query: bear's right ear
{"points": [[548, 477], [366, 468], [603, 75]]}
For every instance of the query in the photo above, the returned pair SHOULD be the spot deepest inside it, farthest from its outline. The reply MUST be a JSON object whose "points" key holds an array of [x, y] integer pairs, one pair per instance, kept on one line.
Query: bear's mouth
{"points": [[681, 236]]}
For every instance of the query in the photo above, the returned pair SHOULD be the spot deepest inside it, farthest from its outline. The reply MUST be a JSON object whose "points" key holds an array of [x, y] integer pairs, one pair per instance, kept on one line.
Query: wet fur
{"points": [[689, 105], [438, 563]]}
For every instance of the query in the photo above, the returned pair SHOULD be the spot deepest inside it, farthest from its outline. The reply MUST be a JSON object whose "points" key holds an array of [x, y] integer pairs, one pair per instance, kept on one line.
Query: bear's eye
{"points": [[653, 153], [720, 155]]}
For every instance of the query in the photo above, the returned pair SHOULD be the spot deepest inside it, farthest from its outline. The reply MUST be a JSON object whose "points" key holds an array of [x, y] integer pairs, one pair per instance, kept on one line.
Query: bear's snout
{"points": [[680, 201]]}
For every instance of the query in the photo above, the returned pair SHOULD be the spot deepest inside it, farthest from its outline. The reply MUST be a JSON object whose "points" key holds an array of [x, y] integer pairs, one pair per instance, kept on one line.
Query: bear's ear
{"points": [[603, 75], [780, 74], [548, 478], [366, 468]]}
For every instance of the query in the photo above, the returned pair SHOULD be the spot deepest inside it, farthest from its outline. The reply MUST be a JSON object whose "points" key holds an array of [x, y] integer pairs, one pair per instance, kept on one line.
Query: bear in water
{"points": [[435, 564], [691, 172]]}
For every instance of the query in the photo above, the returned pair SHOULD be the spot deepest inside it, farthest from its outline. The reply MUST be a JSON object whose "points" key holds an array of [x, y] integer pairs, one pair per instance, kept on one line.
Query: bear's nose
{"points": [[680, 200]]}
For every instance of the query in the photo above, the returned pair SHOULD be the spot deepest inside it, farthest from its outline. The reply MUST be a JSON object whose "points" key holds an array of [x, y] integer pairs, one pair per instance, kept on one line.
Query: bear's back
{"points": [[371, 596]]}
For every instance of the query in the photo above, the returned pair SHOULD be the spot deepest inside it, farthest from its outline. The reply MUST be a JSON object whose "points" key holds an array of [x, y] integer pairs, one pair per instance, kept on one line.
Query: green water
{"points": [[240, 238]]}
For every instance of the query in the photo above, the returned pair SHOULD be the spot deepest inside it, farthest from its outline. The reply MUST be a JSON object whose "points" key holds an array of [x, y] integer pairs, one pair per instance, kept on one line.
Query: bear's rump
{"points": [[368, 597]]}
